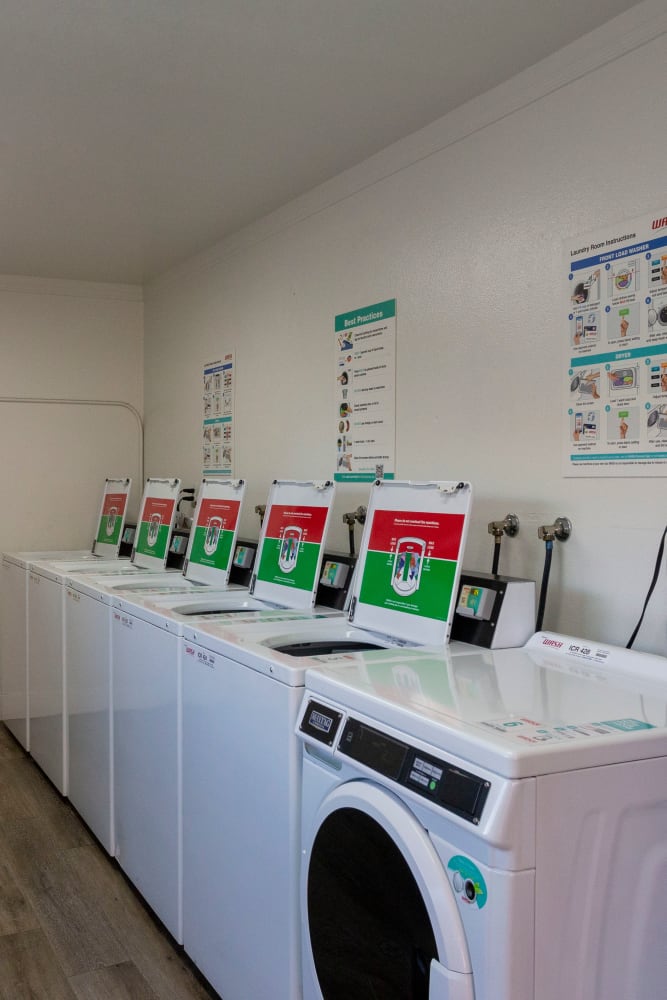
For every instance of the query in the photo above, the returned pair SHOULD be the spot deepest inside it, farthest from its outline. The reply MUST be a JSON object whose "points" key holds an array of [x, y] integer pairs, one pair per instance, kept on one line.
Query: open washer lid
{"points": [[291, 545], [410, 560], [112, 518], [155, 523], [215, 525]]}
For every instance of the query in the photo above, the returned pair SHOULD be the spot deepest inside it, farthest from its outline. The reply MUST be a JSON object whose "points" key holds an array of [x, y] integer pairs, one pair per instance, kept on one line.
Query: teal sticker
{"points": [[627, 725], [466, 872]]}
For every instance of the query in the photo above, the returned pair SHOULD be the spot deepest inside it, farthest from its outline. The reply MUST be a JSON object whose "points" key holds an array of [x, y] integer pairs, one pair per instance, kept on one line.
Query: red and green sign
{"points": [[411, 562], [113, 511], [214, 533], [155, 526], [292, 545]]}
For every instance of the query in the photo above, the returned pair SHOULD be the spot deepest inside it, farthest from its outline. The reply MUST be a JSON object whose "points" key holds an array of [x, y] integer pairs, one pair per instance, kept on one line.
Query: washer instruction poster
{"points": [[112, 518], [214, 533], [155, 526], [412, 561], [616, 379], [291, 550], [365, 397]]}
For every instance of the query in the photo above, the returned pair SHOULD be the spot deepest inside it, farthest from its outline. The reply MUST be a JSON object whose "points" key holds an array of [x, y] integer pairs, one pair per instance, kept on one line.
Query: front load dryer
{"points": [[489, 825]]}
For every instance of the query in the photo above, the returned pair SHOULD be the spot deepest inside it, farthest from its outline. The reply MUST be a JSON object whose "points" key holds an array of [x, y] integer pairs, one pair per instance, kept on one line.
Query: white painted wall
{"points": [[66, 340], [463, 223]]}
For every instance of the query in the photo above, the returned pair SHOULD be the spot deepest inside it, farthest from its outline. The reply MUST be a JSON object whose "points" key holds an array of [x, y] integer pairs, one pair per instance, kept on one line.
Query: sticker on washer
{"points": [[528, 731], [467, 880], [411, 562], [292, 543], [155, 526], [214, 533], [113, 512]]}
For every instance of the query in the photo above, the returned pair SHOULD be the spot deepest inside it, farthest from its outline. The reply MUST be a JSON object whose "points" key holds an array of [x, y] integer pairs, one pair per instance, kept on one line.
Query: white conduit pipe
{"points": [[39, 401]]}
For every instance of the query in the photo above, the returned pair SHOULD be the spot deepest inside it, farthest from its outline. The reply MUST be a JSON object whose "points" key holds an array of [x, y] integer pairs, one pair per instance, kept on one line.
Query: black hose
{"points": [[496, 555], [350, 529], [544, 587]]}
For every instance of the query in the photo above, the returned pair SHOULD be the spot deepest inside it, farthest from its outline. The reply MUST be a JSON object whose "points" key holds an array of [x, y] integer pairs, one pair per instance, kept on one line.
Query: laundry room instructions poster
{"points": [[616, 376], [218, 426], [365, 393]]}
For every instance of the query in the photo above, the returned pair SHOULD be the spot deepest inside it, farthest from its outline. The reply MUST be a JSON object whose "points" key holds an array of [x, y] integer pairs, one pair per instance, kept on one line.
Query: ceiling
{"points": [[135, 133]]}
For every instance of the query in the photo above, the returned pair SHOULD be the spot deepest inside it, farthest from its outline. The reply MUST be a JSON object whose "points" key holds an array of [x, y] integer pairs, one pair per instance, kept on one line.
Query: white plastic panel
{"points": [[14, 650], [88, 659], [215, 526], [155, 523], [410, 559], [111, 521], [291, 545], [147, 763], [46, 678]]}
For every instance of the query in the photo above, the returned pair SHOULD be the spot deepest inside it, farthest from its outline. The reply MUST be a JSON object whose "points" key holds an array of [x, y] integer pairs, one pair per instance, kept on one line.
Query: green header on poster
{"points": [[368, 314], [359, 477]]}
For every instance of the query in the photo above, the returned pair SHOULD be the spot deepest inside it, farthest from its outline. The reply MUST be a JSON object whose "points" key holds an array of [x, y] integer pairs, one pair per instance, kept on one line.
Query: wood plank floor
{"points": [[71, 925]]}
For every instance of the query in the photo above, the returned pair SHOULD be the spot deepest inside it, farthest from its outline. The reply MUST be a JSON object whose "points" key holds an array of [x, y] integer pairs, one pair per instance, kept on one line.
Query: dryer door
{"points": [[380, 915]]}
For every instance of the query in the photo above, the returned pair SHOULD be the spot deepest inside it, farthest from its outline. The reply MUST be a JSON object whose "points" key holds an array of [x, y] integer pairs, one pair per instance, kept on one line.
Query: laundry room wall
{"points": [[81, 344], [463, 223]]}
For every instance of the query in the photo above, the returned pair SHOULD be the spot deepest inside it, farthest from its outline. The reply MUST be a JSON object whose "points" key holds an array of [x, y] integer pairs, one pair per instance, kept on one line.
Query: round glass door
{"points": [[370, 932]]}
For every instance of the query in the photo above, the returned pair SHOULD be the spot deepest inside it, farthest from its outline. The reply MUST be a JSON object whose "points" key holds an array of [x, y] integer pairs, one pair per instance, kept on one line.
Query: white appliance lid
{"points": [[155, 523], [111, 521], [214, 529], [518, 712], [291, 544], [410, 559]]}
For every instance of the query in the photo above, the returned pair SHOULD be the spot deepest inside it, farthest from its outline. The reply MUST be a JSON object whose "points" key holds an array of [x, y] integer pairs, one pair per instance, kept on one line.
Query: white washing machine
{"points": [[14, 638], [147, 691], [88, 641], [14, 603], [242, 687], [46, 650], [490, 826]]}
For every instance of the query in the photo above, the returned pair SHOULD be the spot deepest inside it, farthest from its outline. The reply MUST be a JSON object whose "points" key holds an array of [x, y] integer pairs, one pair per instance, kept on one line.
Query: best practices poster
{"points": [[616, 375], [365, 395]]}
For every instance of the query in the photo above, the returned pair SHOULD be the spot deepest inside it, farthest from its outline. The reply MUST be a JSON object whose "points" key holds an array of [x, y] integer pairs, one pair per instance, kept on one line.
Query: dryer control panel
{"points": [[442, 783]]}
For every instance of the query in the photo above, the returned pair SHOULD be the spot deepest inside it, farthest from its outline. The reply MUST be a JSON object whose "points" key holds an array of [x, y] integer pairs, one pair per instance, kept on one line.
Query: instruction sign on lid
{"points": [[215, 527], [410, 559], [292, 543], [112, 518]]}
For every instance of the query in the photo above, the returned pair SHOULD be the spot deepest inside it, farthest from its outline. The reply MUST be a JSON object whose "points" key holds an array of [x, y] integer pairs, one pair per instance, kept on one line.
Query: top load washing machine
{"points": [[147, 653], [14, 603], [242, 687], [88, 641], [488, 825], [47, 676]]}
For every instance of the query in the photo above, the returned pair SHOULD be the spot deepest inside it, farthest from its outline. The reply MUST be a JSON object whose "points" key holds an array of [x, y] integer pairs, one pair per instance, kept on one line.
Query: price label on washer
{"points": [[522, 730]]}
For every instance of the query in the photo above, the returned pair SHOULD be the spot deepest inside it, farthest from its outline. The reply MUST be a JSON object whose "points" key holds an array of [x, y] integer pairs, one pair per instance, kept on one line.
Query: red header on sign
{"points": [[114, 503], [226, 510], [440, 534], [309, 520], [161, 506]]}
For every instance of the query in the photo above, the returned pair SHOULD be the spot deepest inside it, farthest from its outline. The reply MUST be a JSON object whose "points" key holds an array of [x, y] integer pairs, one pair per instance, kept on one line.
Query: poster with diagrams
{"points": [[615, 381], [218, 426], [364, 409]]}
